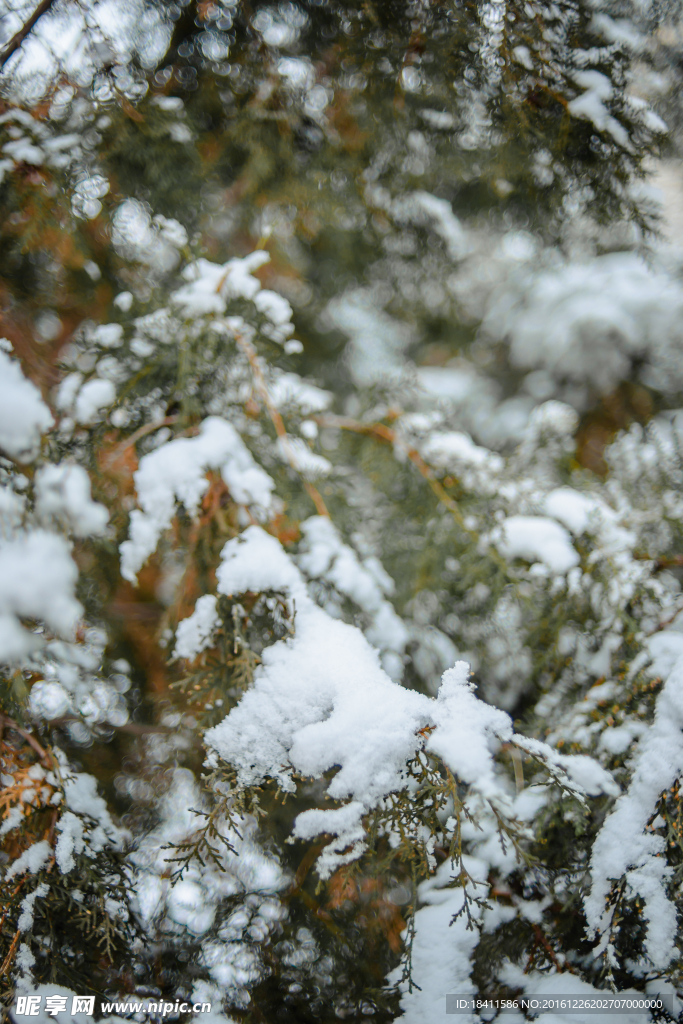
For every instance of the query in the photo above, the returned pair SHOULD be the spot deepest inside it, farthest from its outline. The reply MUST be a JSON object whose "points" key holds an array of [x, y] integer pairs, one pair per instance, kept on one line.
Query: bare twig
{"points": [[44, 756], [18, 37]]}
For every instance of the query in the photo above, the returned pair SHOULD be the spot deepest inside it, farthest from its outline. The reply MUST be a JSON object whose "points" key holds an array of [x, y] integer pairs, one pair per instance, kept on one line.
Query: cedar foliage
{"points": [[246, 161]]}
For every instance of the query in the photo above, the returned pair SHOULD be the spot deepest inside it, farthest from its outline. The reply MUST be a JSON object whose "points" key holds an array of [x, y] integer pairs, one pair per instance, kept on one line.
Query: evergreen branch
{"points": [[276, 417]]}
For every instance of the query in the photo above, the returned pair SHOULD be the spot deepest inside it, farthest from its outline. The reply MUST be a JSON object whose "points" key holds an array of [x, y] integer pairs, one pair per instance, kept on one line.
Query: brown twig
{"points": [[31, 740], [18, 37], [542, 940], [309, 859], [134, 728], [148, 428], [7, 962], [383, 433], [666, 622]]}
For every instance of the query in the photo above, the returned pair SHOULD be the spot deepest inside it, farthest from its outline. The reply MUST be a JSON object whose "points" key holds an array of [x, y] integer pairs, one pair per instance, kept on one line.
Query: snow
{"points": [[23, 413], [442, 953], [317, 701], [287, 389], [32, 860], [242, 889], [176, 471], [108, 335], [665, 648], [537, 539], [37, 581], [211, 285], [449, 382], [123, 301], [298, 454], [376, 340], [450, 448], [623, 847], [324, 555], [274, 306], [467, 731], [555, 984], [25, 921], [94, 396], [69, 842], [48, 700], [591, 105], [587, 322], [256, 562], [577, 772], [194, 633], [439, 213], [320, 700], [575, 510], [63, 497]]}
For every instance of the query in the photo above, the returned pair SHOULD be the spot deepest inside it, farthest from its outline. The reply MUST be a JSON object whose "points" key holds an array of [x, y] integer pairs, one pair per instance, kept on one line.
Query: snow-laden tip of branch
{"points": [[578, 773], [537, 539], [321, 701], [210, 285], [624, 849], [195, 632], [176, 472]]}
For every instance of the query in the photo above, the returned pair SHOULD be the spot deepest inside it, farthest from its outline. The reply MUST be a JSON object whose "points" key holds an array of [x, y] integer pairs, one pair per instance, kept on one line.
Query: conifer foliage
{"points": [[341, 510]]}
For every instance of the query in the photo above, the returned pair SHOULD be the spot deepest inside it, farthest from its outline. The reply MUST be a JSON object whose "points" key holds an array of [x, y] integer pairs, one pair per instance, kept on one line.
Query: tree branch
{"points": [[18, 37]]}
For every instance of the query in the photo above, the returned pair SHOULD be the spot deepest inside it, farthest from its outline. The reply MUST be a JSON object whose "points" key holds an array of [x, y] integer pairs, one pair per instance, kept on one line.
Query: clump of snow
{"points": [[49, 700], [537, 539], [23, 413], [194, 633], [25, 921], [287, 389], [297, 453], [94, 396], [320, 700], [211, 285], [31, 861], [439, 213], [176, 471], [591, 105], [63, 497], [575, 510], [37, 581]]}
